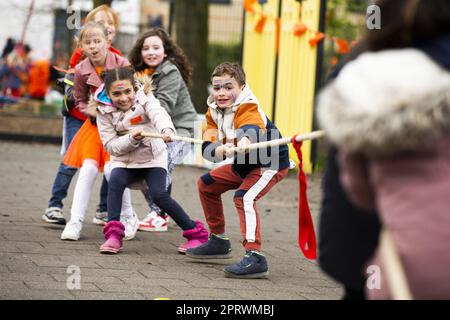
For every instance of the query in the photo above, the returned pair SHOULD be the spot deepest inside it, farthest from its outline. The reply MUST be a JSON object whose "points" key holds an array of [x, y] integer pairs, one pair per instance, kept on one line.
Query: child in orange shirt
{"points": [[86, 150]]}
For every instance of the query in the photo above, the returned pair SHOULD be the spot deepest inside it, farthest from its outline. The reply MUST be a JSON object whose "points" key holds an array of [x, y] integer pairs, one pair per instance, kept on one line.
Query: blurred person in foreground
{"points": [[388, 112]]}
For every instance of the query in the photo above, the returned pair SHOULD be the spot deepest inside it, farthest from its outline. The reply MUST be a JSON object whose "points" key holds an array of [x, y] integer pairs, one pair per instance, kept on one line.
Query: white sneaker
{"points": [[131, 224], [154, 222], [72, 231], [54, 215]]}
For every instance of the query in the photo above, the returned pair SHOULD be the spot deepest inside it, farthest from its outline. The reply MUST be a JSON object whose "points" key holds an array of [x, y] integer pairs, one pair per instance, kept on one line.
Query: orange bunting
{"points": [[248, 5], [259, 27], [343, 46], [299, 29], [334, 61], [317, 38]]}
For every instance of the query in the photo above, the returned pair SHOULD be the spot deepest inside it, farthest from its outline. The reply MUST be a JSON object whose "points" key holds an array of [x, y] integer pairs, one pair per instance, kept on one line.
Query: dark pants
{"points": [[249, 190], [156, 181], [348, 236], [103, 205], [65, 173]]}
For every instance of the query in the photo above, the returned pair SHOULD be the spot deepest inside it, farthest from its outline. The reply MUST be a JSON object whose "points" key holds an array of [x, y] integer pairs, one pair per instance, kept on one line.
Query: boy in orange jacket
{"points": [[234, 118]]}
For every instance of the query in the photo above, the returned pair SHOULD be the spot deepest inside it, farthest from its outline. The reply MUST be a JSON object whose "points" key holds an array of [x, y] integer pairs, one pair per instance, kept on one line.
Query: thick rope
{"points": [[176, 138], [394, 271], [266, 144]]}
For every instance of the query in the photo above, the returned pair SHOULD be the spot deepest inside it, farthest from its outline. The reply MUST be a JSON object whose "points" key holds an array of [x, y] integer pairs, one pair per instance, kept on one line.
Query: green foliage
{"points": [[345, 20], [218, 53], [338, 22]]}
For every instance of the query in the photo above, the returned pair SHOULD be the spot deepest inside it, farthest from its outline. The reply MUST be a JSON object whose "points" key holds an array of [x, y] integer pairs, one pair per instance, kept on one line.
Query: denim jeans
{"points": [[156, 179], [176, 151], [103, 205], [65, 173]]}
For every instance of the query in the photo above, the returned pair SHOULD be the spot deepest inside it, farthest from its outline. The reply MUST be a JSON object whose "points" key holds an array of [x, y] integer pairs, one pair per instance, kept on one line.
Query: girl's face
{"points": [[153, 51], [225, 91], [121, 93], [95, 46], [105, 19]]}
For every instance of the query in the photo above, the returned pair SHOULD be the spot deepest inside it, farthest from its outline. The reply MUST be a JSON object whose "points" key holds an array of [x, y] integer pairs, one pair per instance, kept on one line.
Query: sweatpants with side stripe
{"points": [[249, 190]]}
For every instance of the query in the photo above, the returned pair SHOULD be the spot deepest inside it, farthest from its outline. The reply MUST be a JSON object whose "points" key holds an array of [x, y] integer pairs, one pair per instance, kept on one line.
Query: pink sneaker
{"points": [[195, 237], [154, 222], [114, 232]]}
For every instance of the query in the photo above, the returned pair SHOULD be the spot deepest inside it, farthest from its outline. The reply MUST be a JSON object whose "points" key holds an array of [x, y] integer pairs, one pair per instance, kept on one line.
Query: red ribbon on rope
{"points": [[306, 234]]}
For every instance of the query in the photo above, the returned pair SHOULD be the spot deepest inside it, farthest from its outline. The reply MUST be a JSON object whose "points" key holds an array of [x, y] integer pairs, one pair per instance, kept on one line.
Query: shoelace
{"points": [[55, 213], [246, 260]]}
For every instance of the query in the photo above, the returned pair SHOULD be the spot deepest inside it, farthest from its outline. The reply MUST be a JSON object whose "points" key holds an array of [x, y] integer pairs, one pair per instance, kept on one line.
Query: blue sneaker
{"points": [[214, 248], [252, 266], [100, 218]]}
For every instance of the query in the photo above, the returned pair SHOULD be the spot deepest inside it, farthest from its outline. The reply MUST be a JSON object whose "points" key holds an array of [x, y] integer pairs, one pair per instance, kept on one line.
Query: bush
{"points": [[218, 53]]}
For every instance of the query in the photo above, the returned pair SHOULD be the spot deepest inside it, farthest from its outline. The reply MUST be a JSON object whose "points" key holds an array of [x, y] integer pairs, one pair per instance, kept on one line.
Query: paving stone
{"points": [[34, 261]]}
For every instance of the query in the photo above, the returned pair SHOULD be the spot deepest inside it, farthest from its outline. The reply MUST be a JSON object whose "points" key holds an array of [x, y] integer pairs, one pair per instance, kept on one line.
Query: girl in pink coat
{"points": [[127, 108]]}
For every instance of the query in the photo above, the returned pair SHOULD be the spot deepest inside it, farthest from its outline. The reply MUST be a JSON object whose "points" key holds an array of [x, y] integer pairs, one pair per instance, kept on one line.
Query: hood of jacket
{"points": [[224, 118], [386, 102]]}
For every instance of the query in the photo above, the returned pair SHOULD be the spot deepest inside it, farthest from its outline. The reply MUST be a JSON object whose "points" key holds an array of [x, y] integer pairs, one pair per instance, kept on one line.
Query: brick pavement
{"points": [[34, 261]]}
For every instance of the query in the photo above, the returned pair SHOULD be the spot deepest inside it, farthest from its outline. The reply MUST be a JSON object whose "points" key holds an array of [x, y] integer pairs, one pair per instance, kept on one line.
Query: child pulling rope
{"points": [[306, 237]]}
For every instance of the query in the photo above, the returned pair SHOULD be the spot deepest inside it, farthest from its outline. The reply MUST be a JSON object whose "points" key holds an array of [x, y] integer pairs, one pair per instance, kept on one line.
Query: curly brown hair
{"points": [[174, 53]]}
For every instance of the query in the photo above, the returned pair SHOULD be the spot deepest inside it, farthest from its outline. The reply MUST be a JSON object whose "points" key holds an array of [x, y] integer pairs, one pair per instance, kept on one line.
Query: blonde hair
{"points": [[89, 26], [90, 16]]}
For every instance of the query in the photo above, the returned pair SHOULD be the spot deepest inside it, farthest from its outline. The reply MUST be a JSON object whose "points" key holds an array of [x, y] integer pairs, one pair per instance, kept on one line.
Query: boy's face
{"points": [[121, 93], [105, 19], [225, 90]]}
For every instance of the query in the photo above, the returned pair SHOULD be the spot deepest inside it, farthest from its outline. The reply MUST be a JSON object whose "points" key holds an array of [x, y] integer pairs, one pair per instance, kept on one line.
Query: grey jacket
{"points": [[172, 93]]}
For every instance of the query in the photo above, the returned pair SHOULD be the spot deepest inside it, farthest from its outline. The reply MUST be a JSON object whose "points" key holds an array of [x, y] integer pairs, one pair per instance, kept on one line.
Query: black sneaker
{"points": [[54, 215], [252, 266], [214, 248]]}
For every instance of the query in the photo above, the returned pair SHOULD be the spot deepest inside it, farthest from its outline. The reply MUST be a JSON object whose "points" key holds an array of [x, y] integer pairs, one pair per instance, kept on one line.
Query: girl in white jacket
{"points": [[128, 108]]}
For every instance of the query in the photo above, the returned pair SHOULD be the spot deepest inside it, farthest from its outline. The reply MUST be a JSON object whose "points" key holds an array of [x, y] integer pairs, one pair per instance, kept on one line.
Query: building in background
{"points": [[47, 32], [225, 18]]}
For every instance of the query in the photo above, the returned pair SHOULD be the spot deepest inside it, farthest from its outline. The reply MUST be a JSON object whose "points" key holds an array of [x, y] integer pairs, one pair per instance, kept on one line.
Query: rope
{"points": [[266, 144], [395, 274], [277, 142], [177, 138]]}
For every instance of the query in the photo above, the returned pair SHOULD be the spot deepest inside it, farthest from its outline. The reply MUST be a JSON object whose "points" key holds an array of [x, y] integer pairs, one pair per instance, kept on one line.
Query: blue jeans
{"points": [[103, 205], [156, 180], [176, 151], [65, 173]]}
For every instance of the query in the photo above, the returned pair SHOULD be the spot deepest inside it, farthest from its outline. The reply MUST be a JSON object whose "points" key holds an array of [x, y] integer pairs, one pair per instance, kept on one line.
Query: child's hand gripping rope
{"points": [[243, 147], [306, 237]]}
